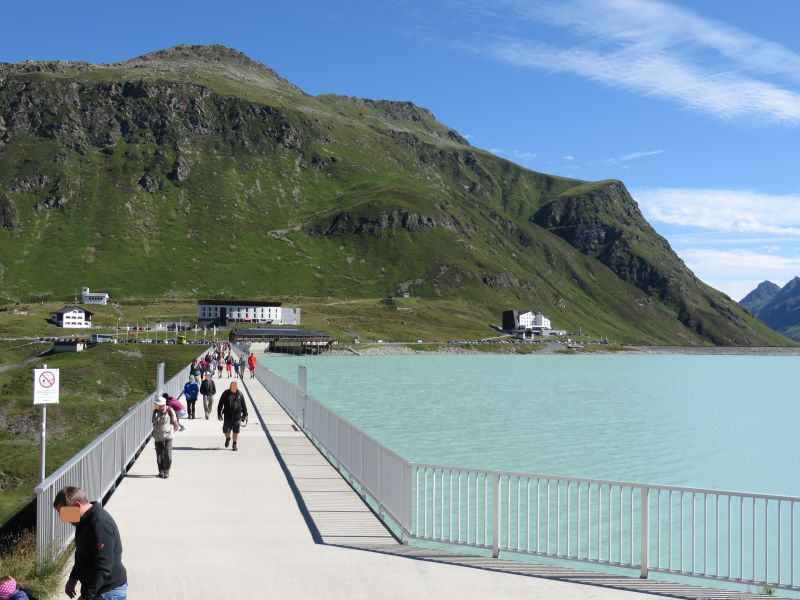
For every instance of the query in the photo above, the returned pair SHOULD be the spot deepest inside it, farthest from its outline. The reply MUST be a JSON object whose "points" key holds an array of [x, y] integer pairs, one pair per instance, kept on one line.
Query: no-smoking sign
{"points": [[45, 386]]}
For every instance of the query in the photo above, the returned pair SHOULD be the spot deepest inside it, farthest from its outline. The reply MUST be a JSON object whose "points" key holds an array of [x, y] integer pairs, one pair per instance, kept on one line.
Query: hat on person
{"points": [[191, 376], [8, 588], [161, 402]]}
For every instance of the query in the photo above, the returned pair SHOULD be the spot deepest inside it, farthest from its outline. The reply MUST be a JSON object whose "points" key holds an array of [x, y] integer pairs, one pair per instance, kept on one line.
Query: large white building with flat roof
{"points": [[222, 312]]}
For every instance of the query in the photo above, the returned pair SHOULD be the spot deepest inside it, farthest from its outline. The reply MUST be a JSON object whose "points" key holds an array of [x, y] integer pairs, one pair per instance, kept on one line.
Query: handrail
{"points": [[95, 468], [735, 537], [638, 484]]}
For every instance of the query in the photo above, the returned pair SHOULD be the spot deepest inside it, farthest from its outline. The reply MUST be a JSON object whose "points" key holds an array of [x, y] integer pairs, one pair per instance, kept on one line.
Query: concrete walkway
{"points": [[275, 520]]}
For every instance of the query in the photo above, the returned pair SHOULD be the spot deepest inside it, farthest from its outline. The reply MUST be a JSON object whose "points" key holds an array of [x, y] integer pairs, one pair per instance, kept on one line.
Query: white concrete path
{"points": [[227, 525]]}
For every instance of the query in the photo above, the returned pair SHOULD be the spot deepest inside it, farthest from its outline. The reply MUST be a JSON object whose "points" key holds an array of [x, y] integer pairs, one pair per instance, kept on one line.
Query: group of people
{"points": [[168, 411], [222, 359]]}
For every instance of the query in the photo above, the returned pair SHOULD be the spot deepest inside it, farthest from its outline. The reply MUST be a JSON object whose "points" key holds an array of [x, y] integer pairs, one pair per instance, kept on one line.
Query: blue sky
{"points": [[695, 105]]}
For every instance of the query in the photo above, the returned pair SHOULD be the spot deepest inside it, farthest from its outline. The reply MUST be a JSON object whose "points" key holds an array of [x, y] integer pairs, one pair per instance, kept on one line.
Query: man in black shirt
{"points": [[233, 407], [98, 548]]}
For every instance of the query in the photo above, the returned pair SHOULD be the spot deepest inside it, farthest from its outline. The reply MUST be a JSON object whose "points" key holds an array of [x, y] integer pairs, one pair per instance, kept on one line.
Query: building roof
{"points": [[71, 308], [94, 293], [239, 303], [278, 332]]}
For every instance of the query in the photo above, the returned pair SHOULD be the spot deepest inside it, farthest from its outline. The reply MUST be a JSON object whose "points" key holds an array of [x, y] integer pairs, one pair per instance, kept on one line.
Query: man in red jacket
{"points": [[251, 364]]}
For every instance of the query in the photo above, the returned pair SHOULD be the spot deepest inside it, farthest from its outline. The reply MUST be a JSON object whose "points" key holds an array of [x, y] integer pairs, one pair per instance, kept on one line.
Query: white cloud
{"points": [[723, 210], [633, 156], [568, 157], [738, 271], [523, 156], [520, 155], [660, 50]]}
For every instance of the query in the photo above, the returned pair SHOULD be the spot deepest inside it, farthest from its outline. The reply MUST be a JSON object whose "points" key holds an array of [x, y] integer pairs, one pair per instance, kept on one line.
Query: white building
{"points": [[221, 312], [94, 297], [534, 320], [73, 317]]}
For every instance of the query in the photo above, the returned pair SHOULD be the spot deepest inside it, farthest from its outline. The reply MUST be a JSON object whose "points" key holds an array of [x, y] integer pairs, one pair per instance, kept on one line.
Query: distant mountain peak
{"points": [[210, 59], [760, 297], [207, 52]]}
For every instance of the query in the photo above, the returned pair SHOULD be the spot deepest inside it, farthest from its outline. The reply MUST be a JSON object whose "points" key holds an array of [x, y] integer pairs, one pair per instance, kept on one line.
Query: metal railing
{"points": [[735, 537], [376, 470], [96, 468]]}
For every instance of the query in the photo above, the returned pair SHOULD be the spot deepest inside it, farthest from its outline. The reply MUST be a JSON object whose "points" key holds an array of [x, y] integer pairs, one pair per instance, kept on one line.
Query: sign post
{"points": [[46, 387]]}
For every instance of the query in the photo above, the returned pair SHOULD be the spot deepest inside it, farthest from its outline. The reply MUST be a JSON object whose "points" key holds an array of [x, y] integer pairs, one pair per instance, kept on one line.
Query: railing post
{"points": [[159, 380], [405, 526], [302, 378], [496, 516], [645, 531]]}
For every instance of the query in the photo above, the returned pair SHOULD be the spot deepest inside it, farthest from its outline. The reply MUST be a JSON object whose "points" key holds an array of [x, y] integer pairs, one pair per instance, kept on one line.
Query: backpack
{"points": [[235, 404]]}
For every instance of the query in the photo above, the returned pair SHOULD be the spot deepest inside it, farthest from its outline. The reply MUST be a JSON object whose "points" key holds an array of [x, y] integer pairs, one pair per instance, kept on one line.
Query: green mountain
{"points": [[196, 170]]}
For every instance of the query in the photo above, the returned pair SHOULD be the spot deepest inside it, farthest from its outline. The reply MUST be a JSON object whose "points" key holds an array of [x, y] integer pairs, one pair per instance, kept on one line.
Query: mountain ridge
{"points": [[778, 307], [156, 175]]}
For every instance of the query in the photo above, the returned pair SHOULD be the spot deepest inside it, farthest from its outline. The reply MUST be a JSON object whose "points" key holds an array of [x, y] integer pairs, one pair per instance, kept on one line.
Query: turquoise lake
{"points": [[728, 422]]}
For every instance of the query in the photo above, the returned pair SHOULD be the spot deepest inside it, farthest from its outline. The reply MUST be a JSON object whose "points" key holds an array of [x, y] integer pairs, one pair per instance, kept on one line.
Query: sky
{"points": [[694, 105]]}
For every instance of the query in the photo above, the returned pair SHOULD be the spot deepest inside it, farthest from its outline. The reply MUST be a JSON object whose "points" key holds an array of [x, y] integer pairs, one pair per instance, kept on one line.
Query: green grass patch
{"points": [[97, 387], [18, 560]]}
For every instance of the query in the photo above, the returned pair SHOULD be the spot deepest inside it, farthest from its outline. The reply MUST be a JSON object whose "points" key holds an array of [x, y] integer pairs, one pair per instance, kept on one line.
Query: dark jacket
{"points": [[232, 405], [98, 554], [207, 388], [20, 594]]}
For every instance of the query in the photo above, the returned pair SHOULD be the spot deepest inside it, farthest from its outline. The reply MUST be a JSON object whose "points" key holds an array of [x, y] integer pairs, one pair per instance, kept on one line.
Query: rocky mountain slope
{"points": [[196, 170], [777, 307]]}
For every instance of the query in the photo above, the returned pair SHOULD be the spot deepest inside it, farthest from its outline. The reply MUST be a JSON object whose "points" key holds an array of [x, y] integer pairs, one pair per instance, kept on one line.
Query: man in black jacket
{"points": [[98, 548], [234, 408]]}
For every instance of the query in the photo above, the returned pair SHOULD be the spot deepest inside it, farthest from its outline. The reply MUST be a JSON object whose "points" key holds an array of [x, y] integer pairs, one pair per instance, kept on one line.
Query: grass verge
{"points": [[18, 559]]}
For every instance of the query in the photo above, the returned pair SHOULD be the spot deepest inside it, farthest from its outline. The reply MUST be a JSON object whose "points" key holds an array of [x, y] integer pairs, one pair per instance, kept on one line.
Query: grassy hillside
{"points": [[196, 171], [97, 387]]}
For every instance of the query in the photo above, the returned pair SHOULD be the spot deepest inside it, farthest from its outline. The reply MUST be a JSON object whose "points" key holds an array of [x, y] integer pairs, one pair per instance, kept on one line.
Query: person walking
{"points": [[242, 366], [251, 363], [229, 365], [220, 366], [190, 391], [235, 368], [165, 424], [208, 389], [98, 548], [232, 410]]}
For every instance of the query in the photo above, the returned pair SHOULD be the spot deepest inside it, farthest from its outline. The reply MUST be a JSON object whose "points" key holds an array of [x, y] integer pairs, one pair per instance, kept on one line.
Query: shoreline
{"points": [[399, 349]]}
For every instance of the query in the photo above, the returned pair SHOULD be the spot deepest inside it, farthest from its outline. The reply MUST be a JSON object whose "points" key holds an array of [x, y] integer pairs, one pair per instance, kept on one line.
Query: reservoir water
{"points": [[728, 422]]}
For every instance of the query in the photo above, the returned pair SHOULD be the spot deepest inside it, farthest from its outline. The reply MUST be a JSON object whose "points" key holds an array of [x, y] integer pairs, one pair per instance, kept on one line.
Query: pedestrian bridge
{"points": [[278, 519]]}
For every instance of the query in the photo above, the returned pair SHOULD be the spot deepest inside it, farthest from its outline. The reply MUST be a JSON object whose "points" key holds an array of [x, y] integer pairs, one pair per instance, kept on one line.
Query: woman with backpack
{"points": [[165, 424]]}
